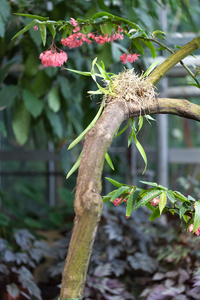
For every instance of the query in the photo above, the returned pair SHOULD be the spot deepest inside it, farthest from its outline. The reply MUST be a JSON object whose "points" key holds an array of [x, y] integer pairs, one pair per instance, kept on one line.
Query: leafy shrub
{"points": [[18, 257]]}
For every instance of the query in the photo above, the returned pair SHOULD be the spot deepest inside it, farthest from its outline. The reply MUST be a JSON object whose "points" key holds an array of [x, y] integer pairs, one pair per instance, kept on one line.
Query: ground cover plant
{"points": [[125, 96]]}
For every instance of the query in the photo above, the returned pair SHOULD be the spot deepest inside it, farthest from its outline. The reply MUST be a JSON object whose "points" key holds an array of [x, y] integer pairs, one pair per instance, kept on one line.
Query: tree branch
{"points": [[179, 107]]}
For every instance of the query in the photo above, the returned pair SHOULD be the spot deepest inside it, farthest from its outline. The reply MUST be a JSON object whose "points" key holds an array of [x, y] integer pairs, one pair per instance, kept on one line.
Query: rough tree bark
{"points": [[88, 202]]}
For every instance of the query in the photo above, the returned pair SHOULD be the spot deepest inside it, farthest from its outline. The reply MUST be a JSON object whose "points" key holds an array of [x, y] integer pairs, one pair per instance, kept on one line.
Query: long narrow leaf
{"points": [[109, 161], [131, 201], [150, 69], [81, 136], [75, 166], [114, 182], [197, 216], [163, 201], [32, 16], [141, 150], [26, 28], [123, 129]]}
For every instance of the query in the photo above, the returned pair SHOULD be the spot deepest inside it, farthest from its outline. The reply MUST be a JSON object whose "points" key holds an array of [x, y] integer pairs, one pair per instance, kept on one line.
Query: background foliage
{"points": [[40, 105]]}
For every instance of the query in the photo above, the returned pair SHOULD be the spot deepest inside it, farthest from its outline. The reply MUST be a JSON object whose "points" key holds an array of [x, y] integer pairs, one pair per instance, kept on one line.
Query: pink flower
{"points": [[154, 201], [75, 40], [197, 232], [117, 201], [129, 58], [52, 58], [35, 28], [73, 22]]}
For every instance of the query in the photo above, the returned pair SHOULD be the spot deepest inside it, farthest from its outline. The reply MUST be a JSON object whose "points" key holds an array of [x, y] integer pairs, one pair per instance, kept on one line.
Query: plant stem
{"points": [[175, 58]]}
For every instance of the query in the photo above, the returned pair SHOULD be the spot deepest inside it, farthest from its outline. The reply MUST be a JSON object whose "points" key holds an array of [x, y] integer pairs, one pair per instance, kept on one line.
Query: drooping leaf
{"points": [[54, 99], [183, 208], [75, 166], [171, 196], [26, 28], [141, 150], [155, 214], [81, 136], [131, 201], [52, 29], [32, 103], [8, 94], [197, 216], [2, 27], [32, 16], [114, 182], [43, 32], [21, 123], [109, 161], [55, 122], [163, 201]]}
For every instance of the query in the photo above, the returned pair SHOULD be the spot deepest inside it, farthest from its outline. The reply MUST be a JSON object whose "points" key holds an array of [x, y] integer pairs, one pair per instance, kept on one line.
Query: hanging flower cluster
{"points": [[77, 38], [52, 57], [129, 58]]}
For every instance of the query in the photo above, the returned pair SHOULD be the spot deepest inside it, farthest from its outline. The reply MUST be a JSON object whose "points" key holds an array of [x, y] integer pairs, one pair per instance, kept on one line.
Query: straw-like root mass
{"points": [[128, 86]]}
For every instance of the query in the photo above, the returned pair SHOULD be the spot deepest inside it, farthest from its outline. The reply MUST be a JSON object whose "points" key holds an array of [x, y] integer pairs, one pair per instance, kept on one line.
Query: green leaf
{"points": [[51, 28], [109, 26], [79, 72], [54, 99], [3, 129], [8, 94], [180, 196], [32, 16], [171, 196], [149, 183], [101, 14], [114, 182], [138, 45], [55, 122], [21, 123], [183, 208], [32, 103], [2, 27], [148, 197], [197, 216], [26, 28], [4, 219], [5, 9], [4, 71], [136, 34], [131, 201], [75, 166], [150, 69], [123, 129], [155, 214], [81, 136], [32, 223], [43, 32], [119, 192], [163, 201], [109, 161], [151, 47], [141, 150]]}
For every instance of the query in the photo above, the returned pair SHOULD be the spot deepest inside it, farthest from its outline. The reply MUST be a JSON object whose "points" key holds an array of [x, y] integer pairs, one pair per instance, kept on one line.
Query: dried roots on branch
{"points": [[133, 88]]}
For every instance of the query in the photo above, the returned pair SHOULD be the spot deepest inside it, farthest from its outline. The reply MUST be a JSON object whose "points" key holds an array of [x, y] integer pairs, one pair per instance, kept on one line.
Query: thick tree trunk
{"points": [[88, 202]]}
